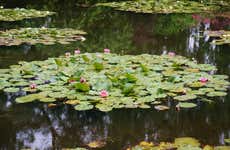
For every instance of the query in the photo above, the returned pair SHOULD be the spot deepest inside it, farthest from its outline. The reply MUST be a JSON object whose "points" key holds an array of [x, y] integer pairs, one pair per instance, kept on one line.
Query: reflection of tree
{"points": [[35, 125], [173, 23]]}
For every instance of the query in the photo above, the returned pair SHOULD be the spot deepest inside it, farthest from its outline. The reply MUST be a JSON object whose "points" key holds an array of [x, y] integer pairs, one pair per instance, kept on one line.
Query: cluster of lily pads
{"points": [[183, 143], [164, 6], [109, 81], [223, 36], [47, 36], [21, 13]]}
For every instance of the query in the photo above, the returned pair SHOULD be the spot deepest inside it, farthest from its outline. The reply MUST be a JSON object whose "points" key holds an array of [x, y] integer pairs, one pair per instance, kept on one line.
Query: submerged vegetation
{"points": [[165, 6], [47, 36], [183, 143], [107, 81], [223, 37], [21, 13]]}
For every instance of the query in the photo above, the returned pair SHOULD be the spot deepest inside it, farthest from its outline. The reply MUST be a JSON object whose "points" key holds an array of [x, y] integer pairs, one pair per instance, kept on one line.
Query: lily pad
{"points": [[21, 13], [82, 107], [161, 107], [186, 141], [164, 6], [185, 97], [186, 105], [11, 90], [39, 35], [73, 80]]}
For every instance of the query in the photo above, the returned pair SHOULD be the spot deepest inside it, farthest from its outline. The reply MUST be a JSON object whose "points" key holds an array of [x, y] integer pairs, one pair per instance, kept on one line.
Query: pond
{"points": [[37, 126]]}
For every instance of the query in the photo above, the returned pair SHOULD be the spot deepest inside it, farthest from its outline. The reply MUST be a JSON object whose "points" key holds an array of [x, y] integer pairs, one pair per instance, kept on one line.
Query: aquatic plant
{"points": [[21, 13], [182, 143], [108, 81], [223, 36], [47, 36], [165, 6]]}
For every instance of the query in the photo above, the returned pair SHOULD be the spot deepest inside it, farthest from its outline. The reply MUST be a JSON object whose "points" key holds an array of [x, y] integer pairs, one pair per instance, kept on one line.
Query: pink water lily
{"points": [[203, 80], [67, 54], [82, 80], [76, 52], [104, 94], [33, 86], [106, 50], [171, 54]]}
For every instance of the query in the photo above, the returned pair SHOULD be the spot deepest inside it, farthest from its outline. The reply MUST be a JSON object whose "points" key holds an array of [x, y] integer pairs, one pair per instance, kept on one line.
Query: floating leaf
{"points": [[186, 141], [38, 35], [167, 6], [11, 90], [185, 97], [186, 105], [227, 141], [96, 144], [216, 93], [21, 13], [127, 84], [82, 107], [161, 107]]}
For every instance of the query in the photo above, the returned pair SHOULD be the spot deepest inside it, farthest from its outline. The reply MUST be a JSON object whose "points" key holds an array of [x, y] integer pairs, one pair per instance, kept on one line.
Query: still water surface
{"points": [[38, 127]]}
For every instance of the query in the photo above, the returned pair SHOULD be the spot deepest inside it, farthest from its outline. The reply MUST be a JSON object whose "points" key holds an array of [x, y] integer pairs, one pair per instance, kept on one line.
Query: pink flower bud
{"points": [[106, 51], [76, 52], [67, 54], [33, 86], [104, 94], [171, 54], [82, 80], [203, 80]]}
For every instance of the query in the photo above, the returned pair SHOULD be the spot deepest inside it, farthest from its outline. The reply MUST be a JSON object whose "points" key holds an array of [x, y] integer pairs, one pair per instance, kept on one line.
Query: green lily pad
{"points": [[221, 147], [125, 83], [82, 107], [186, 105], [21, 13], [11, 90], [216, 93], [167, 6], [34, 36], [227, 141], [183, 141], [161, 107], [185, 97]]}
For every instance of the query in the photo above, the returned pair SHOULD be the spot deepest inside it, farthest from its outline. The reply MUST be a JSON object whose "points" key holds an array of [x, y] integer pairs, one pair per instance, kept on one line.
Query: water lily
{"points": [[82, 80], [104, 93], [106, 50], [203, 80], [71, 81], [67, 54], [171, 54], [33, 86], [76, 52]]}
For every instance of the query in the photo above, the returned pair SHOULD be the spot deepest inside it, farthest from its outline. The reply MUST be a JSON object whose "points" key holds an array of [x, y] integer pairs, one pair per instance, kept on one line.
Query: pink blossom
{"points": [[203, 80], [82, 80], [67, 54], [206, 20], [106, 50], [104, 93], [33, 86], [171, 54], [196, 17], [76, 52], [71, 81]]}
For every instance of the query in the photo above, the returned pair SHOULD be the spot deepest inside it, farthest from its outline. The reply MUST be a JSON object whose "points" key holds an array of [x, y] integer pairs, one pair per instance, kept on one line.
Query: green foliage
{"points": [[164, 6], [133, 81], [47, 36], [21, 13]]}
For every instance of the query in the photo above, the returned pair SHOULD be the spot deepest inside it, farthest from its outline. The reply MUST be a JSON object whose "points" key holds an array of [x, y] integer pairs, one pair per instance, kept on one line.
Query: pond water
{"points": [[36, 126]]}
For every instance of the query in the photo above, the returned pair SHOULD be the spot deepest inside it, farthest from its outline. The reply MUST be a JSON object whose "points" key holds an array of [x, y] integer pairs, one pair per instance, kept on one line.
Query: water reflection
{"points": [[37, 126]]}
